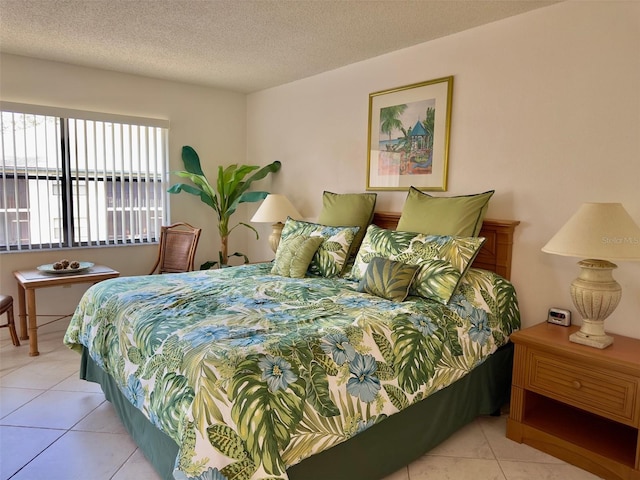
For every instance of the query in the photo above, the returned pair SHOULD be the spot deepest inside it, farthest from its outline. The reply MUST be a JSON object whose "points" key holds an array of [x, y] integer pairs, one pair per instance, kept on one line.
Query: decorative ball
{"points": [[58, 266], [65, 263], [74, 265]]}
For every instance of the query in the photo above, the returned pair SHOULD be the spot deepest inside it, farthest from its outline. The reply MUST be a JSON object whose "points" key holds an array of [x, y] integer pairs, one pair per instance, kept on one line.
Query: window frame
{"points": [[72, 179]]}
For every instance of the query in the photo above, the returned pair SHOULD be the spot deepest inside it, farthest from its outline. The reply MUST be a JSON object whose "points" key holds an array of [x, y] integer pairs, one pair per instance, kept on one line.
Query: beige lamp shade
{"points": [[598, 230], [275, 209], [598, 233]]}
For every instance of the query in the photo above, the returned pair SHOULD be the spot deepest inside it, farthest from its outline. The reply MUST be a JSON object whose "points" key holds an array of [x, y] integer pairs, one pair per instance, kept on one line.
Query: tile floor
{"points": [[55, 426]]}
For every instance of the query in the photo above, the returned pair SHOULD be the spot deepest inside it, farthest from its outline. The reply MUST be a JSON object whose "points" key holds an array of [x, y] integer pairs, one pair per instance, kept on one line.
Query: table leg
{"points": [[33, 326], [22, 313]]}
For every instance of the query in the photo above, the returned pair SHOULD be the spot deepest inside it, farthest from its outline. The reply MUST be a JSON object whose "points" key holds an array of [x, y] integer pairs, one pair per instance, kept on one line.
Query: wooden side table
{"points": [[578, 403], [30, 280]]}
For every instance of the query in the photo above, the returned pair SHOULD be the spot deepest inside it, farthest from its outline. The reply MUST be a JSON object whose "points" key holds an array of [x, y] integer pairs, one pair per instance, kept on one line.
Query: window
{"points": [[69, 180]]}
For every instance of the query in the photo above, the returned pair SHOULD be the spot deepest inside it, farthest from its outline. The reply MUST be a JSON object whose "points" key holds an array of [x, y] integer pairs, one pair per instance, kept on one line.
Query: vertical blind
{"points": [[67, 181]]}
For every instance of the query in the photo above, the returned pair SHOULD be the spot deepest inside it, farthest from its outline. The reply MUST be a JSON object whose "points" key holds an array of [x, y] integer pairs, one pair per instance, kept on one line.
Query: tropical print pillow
{"points": [[443, 259], [330, 258], [388, 279], [340, 209], [294, 255]]}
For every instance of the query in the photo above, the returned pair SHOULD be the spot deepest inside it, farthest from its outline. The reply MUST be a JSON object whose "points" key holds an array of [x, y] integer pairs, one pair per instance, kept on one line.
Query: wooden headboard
{"points": [[495, 254]]}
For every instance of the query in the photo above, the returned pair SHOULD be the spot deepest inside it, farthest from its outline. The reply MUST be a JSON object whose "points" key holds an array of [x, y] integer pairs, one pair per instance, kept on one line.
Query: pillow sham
{"points": [[294, 255], [460, 216], [443, 259], [388, 279], [348, 209], [331, 256]]}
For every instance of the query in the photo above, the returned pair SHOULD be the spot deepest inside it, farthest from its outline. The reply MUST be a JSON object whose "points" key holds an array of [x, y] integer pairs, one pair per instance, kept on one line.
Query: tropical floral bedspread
{"points": [[250, 372]]}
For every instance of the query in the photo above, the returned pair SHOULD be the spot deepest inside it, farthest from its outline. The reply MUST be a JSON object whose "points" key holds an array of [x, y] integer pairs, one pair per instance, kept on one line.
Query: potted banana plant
{"points": [[231, 189]]}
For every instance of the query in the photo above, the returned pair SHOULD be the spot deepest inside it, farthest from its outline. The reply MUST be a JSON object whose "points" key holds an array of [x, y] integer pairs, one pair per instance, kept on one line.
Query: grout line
{"points": [[495, 457], [42, 392], [40, 452], [124, 463]]}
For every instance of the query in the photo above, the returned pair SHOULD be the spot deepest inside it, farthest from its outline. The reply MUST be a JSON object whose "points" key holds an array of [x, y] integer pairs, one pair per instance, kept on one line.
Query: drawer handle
{"points": [[576, 384]]}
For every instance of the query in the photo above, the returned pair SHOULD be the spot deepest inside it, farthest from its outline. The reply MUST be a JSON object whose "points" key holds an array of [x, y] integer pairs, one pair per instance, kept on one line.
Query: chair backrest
{"points": [[178, 243]]}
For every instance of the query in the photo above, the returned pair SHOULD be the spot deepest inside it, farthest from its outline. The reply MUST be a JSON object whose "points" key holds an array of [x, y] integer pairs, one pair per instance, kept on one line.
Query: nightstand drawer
{"points": [[607, 393]]}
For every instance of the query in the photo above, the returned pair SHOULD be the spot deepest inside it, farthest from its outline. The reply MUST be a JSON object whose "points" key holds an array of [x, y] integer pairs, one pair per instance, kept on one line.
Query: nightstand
{"points": [[577, 403]]}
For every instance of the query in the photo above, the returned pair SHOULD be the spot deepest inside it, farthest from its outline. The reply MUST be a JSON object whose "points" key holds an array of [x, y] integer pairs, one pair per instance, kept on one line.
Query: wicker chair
{"points": [[178, 243], [6, 305]]}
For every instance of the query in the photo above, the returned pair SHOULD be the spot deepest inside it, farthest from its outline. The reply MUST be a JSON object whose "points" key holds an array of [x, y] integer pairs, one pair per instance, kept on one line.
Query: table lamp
{"points": [[599, 233], [275, 208]]}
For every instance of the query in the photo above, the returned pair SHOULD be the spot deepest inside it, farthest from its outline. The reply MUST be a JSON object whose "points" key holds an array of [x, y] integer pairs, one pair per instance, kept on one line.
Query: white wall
{"points": [[210, 120], [546, 111]]}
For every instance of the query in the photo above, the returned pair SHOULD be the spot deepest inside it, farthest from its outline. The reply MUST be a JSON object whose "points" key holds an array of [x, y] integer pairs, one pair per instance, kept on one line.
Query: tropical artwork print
{"points": [[250, 372], [406, 138]]}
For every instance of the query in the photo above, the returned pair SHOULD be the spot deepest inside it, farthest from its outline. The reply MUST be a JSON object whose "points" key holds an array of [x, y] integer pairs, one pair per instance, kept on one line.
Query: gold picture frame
{"points": [[408, 141]]}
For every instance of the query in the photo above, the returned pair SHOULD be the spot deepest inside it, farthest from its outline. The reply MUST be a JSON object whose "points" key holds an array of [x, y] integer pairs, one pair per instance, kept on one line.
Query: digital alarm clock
{"points": [[559, 316]]}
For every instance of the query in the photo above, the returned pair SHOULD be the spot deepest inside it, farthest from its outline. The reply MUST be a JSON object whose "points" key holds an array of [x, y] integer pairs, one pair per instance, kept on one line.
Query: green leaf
{"points": [[416, 355], [250, 227], [191, 160], [227, 441], [265, 419], [252, 197], [388, 244], [318, 394], [509, 312], [171, 395], [135, 356], [384, 371], [450, 333], [239, 187], [182, 187], [385, 347], [437, 278], [242, 470], [264, 171], [397, 396]]}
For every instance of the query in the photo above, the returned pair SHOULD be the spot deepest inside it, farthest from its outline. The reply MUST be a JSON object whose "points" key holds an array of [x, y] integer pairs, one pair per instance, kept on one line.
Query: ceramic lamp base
{"points": [[274, 238], [595, 295], [591, 340]]}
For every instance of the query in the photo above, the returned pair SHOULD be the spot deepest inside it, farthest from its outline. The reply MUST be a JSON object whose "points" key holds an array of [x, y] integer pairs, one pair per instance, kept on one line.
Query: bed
{"points": [[242, 374]]}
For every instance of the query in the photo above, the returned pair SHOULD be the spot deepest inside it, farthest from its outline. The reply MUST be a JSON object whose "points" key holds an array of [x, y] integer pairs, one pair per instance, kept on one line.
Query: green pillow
{"points": [[388, 279], [461, 216], [348, 209], [294, 255], [332, 254], [443, 259]]}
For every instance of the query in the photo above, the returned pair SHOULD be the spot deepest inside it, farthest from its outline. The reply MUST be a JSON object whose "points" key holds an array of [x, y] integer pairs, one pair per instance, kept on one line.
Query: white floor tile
{"points": [[102, 419], [19, 445], [402, 474], [43, 373], [13, 398], [12, 357], [432, 467], [543, 471], [469, 442], [138, 467], [79, 455], [494, 429], [74, 383], [54, 409]]}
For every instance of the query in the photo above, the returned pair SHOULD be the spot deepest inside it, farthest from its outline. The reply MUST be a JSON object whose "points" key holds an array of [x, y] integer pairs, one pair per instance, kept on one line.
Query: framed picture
{"points": [[409, 136]]}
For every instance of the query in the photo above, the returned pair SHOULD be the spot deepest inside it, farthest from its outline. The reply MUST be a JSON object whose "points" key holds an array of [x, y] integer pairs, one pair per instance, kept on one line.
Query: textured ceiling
{"points": [[240, 45]]}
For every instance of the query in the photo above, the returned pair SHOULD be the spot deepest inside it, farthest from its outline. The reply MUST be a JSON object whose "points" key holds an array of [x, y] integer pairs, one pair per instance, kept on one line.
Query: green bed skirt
{"points": [[373, 454]]}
